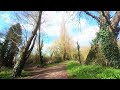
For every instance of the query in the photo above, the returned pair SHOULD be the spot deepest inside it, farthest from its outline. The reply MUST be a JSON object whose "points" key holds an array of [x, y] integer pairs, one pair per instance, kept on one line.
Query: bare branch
{"points": [[31, 16], [13, 41], [35, 30], [15, 32], [93, 16]]}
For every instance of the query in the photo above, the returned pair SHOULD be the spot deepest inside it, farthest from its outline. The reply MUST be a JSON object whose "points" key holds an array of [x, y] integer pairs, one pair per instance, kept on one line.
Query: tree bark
{"points": [[116, 20], [40, 45], [64, 54], [25, 55], [39, 51], [79, 59], [93, 16]]}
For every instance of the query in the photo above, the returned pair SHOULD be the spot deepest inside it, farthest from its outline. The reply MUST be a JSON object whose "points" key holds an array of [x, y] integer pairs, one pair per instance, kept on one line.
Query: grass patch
{"points": [[78, 71], [25, 73], [6, 73]]}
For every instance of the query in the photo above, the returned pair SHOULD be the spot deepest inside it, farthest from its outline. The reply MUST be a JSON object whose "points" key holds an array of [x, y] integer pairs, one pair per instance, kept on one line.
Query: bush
{"points": [[33, 59], [57, 59], [5, 73]]}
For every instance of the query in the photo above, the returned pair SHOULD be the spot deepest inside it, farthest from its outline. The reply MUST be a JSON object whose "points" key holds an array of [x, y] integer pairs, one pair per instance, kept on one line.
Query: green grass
{"points": [[6, 73], [78, 71]]}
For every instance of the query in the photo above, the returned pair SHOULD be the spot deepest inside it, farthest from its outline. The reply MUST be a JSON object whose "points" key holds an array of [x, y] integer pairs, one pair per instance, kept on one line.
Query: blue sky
{"points": [[51, 28]]}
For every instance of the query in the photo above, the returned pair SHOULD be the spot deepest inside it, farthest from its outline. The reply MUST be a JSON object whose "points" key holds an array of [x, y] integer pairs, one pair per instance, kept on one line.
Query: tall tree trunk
{"points": [[40, 45], [64, 54], [25, 55], [39, 49], [79, 59], [40, 52]]}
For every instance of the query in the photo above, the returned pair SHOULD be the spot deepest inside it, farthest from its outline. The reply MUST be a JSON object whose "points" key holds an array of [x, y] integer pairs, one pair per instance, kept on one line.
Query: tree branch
{"points": [[116, 19], [107, 19], [95, 17], [13, 41], [34, 31]]}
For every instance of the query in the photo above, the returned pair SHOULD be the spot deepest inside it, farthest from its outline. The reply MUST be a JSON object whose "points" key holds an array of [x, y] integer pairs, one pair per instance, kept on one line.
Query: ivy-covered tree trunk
{"points": [[91, 55], [107, 37], [25, 55], [109, 47]]}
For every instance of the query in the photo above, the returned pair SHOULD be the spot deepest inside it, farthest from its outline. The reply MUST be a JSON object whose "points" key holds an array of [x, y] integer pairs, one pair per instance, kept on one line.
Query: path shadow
{"points": [[42, 73]]}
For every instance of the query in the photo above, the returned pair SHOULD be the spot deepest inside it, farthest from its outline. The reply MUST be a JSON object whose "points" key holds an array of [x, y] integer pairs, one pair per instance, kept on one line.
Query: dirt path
{"points": [[54, 72]]}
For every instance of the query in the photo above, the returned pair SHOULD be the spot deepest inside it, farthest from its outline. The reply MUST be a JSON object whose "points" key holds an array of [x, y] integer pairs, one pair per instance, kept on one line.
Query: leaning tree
{"points": [[28, 47]]}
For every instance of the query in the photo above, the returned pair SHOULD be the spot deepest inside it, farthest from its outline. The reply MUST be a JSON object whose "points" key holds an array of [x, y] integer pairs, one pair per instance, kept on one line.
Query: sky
{"points": [[84, 32]]}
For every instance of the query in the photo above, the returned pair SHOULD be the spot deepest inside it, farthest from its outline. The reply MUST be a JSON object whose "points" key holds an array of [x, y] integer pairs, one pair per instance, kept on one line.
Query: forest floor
{"points": [[57, 71]]}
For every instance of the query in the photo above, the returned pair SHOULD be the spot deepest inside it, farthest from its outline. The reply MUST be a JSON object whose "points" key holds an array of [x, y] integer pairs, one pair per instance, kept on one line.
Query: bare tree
{"points": [[63, 47]]}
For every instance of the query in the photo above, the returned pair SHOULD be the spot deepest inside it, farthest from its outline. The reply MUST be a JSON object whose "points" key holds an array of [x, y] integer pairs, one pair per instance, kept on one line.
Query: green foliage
{"points": [[57, 59], [25, 73], [78, 71], [109, 73], [5, 73], [109, 47], [104, 49], [15, 32], [33, 58], [10, 46], [92, 54]]}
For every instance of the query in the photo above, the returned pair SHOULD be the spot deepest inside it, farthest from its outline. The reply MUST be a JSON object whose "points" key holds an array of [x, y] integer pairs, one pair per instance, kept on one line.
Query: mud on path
{"points": [[54, 72]]}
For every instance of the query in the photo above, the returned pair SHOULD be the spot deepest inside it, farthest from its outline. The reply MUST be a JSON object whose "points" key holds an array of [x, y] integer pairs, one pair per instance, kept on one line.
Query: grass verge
{"points": [[6, 73], [77, 71]]}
